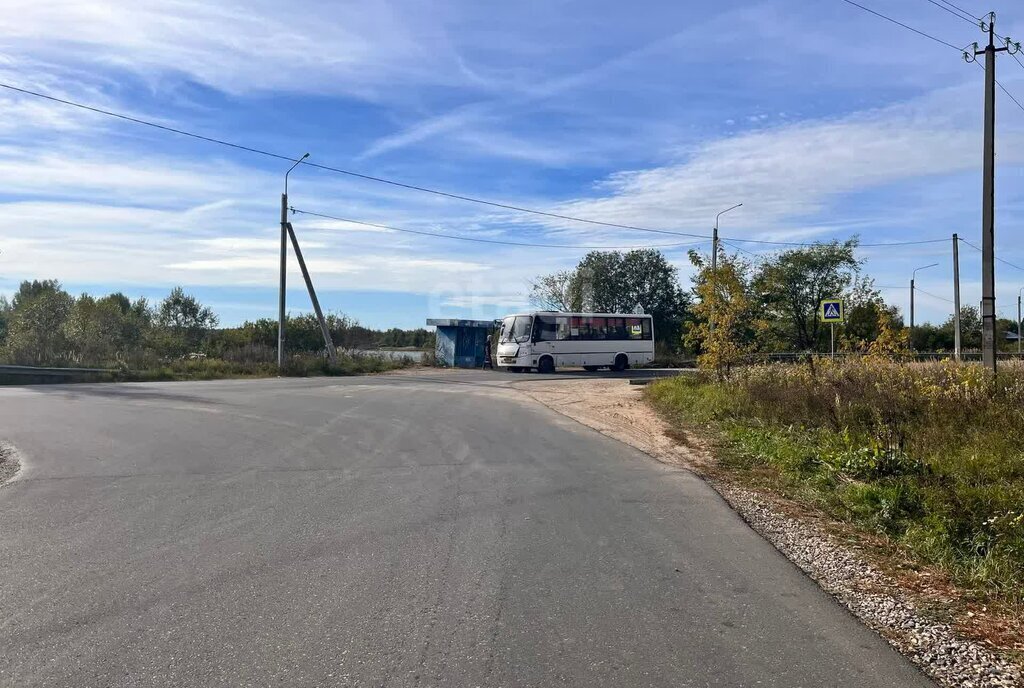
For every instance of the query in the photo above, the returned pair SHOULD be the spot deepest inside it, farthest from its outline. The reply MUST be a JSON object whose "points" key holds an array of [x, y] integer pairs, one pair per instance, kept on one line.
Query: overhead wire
{"points": [[738, 248], [905, 26], [1001, 260], [960, 9], [481, 240], [937, 40], [338, 170], [414, 187], [934, 296], [1003, 88], [956, 13]]}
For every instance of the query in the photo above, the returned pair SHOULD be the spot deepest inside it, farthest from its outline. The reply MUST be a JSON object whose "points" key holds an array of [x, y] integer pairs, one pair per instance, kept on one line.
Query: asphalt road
{"points": [[384, 531]]}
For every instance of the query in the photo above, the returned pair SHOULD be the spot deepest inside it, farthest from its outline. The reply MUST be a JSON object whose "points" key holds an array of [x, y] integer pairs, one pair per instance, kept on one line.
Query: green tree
{"points": [[91, 330], [866, 310], [35, 328], [792, 285], [5, 317], [559, 291], [723, 329], [182, 323], [970, 328], [107, 330]]}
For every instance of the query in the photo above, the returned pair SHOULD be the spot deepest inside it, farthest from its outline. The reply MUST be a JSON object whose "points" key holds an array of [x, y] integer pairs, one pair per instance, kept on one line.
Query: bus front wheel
{"points": [[546, 365]]}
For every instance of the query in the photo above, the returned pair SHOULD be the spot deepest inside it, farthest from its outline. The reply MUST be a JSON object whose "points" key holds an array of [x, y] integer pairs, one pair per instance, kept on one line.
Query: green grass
{"points": [[928, 455], [295, 366]]}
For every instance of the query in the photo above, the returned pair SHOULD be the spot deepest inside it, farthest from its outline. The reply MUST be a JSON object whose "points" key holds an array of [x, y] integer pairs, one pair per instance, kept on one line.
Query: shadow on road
{"points": [[122, 392]]}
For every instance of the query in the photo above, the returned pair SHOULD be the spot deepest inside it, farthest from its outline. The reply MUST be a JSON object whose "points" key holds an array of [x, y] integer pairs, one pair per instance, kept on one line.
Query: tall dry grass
{"points": [[930, 454]]}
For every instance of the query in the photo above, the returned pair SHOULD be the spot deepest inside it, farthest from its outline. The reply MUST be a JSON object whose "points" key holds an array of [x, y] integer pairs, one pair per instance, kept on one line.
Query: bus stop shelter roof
{"points": [[455, 322]]}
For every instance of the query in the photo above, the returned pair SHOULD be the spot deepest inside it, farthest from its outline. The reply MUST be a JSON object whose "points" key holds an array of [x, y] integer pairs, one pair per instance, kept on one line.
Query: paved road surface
{"points": [[386, 531]]}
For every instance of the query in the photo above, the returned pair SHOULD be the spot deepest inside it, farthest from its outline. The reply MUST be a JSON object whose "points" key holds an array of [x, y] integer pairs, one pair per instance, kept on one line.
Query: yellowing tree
{"points": [[893, 340], [724, 325]]}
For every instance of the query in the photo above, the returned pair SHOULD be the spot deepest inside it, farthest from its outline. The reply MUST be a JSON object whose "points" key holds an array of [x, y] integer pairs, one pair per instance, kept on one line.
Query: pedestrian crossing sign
{"points": [[831, 310]]}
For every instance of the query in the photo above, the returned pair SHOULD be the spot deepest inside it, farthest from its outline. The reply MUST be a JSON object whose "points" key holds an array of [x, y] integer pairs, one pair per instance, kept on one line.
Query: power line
{"points": [[442, 235], [1001, 260], [928, 293], [960, 9], [738, 248], [1016, 59], [1004, 88], [1010, 95], [905, 26], [964, 241], [350, 173], [955, 13], [382, 180]]}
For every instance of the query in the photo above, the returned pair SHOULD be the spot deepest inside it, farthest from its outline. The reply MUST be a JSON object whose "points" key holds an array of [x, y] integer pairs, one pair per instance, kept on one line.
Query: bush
{"points": [[295, 366], [928, 454]]}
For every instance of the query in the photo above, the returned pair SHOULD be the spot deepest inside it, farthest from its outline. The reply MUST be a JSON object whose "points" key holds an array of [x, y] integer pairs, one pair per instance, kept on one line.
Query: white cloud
{"points": [[788, 176], [83, 173], [517, 300], [238, 47]]}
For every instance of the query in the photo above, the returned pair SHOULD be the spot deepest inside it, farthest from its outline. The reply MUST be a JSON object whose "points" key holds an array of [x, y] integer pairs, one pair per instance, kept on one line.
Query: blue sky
{"points": [[823, 120]]}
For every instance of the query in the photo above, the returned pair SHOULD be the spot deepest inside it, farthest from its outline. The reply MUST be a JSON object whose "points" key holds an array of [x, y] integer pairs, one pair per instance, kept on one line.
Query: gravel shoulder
{"points": [[845, 565]]}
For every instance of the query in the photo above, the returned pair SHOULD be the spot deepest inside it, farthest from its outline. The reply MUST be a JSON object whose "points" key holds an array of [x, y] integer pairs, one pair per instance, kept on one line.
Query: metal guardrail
{"points": [[785, 356], [54, 371]]}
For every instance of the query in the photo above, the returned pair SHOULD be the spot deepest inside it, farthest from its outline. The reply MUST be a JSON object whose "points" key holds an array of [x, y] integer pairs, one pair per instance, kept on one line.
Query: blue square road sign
{"points": [[831, 310]]}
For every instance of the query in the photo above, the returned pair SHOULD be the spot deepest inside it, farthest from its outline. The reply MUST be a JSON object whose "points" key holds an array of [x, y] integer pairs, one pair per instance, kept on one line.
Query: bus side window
{"points": [[546, 328], [646, 323], [562, 329], [634, 328]]}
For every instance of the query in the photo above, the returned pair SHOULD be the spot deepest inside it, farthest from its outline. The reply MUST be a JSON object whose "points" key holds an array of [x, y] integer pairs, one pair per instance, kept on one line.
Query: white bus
{"points": [[546, 340]]}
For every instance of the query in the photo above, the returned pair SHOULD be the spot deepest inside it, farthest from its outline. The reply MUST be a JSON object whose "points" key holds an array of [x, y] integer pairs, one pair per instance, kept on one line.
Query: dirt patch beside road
{"points": [[616, 408], [842, 562]]}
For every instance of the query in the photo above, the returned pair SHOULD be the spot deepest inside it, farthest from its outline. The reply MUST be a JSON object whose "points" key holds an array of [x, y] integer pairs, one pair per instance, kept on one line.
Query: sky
{"points": [[825, 122]]}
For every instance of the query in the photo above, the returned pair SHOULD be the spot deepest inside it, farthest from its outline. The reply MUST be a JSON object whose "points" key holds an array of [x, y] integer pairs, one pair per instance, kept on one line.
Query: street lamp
{"points": [[284, 266], [297, 163], [913, 276], [714, 237]]}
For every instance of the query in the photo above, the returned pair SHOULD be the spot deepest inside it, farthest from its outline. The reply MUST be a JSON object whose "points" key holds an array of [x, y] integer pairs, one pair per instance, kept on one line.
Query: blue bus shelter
{"points": [[461, 343]]}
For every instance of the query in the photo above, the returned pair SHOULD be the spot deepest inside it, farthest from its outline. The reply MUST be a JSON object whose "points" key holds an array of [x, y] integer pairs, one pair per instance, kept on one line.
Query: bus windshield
{"points": [[516, 329]]}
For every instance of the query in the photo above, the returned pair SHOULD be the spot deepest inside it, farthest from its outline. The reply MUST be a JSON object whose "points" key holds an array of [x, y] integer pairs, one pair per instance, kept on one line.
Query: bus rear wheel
{"points": [[621, 363], [546, 365]]}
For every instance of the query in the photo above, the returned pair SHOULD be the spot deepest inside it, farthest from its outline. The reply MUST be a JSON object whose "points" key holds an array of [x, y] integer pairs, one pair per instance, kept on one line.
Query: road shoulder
{"points": [[841, 564]]}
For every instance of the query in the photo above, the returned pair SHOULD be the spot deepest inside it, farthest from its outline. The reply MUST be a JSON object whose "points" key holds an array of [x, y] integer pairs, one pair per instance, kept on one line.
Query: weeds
{"points": [[295, 366], [928, 454]]}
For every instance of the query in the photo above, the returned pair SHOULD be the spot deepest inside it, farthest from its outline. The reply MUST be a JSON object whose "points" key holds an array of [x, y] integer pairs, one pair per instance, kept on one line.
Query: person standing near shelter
{"points": [[487, 354]]}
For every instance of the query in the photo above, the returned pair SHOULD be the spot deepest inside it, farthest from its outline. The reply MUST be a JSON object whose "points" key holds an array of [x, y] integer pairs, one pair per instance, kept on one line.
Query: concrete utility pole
{"points": [[913, 277], [1019, 291], [956, 296], [328, 342], [284, 267], [988, 222]]}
